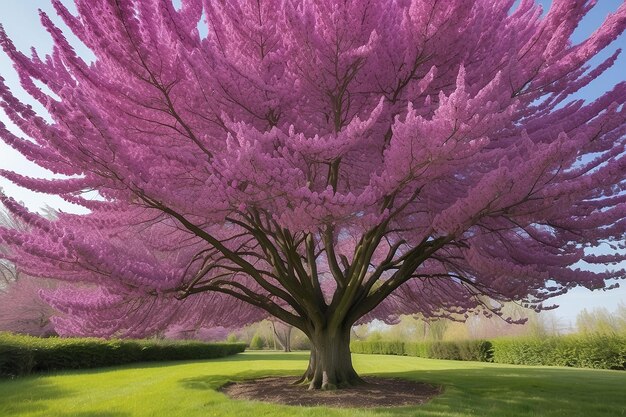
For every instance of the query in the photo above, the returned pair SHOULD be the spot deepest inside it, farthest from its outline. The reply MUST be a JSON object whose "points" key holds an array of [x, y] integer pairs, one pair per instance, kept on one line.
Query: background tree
{"points": [[8, 272], [602, 321], [22, 310], [282, 333], [184, 331], [538, 325], [321, 162]]}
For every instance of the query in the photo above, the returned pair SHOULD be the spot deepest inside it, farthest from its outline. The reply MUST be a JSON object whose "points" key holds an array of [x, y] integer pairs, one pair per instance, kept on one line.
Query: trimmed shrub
{"points": [[475, 350], [15, 358], [582, 351], [467, 350], [444, 350], [21, 355], [421, 350], [257, 342]]}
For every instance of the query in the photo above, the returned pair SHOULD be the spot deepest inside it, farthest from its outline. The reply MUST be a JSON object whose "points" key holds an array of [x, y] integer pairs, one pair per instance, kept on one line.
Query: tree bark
{"points": [[284, 337], [330, 363]]}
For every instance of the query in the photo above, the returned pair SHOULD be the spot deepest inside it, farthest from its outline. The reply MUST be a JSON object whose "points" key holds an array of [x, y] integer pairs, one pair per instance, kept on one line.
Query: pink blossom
{"points": [[317, 161]]}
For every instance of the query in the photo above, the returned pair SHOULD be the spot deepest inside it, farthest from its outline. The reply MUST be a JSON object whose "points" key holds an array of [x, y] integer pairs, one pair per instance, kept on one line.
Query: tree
{"points": [[600, 321], [21, 308], [8, 272], [180, 331], [23, 311], [282, 332], [322, 162], [257, 342]]}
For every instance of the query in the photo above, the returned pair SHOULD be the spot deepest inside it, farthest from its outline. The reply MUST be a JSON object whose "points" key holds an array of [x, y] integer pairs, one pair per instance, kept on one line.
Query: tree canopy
{"points": [[323, 162]]}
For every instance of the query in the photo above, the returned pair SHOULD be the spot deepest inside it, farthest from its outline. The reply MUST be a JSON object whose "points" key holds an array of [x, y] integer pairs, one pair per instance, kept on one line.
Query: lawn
{"points": [[187, 389]]}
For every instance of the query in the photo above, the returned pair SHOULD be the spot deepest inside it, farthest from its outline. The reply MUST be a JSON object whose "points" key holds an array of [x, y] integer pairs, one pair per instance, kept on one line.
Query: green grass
{"points": [[173, 389]]}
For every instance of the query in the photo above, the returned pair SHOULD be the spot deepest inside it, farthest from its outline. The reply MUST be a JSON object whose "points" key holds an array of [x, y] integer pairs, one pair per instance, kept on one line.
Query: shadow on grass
{"points": [[92, 414], [173, 363], [469, 389], [14, 401], [504, 391], [482, 391], [214, 382], [269, 356], [33, 395]]}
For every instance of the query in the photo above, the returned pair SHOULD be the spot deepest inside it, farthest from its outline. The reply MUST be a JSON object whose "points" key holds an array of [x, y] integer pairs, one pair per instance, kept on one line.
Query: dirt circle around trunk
{"points": [[376, 392]]}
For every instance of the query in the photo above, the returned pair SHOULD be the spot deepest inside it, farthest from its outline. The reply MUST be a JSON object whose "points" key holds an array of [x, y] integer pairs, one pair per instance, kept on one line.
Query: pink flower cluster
{"points": [[281, 157]]}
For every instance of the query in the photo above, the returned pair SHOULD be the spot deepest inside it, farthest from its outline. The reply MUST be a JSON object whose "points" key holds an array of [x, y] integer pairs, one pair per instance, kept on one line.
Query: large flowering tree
{"points": [[320, 161]]}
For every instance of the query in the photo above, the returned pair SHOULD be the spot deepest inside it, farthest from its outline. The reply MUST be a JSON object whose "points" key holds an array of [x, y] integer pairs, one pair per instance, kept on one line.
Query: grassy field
{"points": [[187, 389]]}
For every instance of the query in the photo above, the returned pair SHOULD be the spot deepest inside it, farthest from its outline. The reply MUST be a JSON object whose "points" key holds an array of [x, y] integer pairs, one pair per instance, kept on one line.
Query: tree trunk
{"points": [[330, 363], [287, 338], [284, 339]]}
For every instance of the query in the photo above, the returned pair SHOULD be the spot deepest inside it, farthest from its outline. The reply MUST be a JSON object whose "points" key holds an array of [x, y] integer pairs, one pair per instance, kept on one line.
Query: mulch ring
{"points": [[377, 392]]}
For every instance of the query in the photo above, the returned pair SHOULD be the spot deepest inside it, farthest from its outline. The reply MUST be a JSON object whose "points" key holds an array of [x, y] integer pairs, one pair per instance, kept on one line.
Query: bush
{"points": [[583, 351], [467, 350], [300, 342], [421, 350], [598, 351], [463, 350], [21, 355], [257, 342], [15, 359]]}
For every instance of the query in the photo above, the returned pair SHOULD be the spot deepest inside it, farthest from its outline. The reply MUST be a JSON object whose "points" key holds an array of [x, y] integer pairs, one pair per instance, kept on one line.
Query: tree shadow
{"points": [[155, 364], [469, 390], [480, 391], [14, 401], [490, 391], [215, 382], [31, 395], [270, 356], [92, 414]]}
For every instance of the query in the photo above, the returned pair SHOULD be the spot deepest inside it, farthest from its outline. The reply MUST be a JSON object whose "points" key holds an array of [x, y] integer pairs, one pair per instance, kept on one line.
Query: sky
{"points": [[21, 22]]}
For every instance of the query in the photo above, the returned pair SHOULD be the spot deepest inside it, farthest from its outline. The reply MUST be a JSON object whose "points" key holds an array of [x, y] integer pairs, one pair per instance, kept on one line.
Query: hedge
{"points": [[581, 351], [466, 350], [21, 355]]}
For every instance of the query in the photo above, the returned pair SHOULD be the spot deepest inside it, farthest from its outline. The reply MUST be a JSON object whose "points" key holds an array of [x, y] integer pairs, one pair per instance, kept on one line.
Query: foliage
{"points": [[282, 334], [181, 332], [537, 324], [413, 328], [257, 342], [582, 351], [23, 311], [601, 321], [8, 274], [322, 162], [437, 329], [300, 342], [375, 336], [465, 350], [587, 351], [21, 355], [191, 390]]}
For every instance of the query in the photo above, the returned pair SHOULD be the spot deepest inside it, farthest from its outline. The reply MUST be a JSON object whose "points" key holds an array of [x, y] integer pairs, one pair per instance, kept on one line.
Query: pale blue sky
{"points": [[21, 22]]}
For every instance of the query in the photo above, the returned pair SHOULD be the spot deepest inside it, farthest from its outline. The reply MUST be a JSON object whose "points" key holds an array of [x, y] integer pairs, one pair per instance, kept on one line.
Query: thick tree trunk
{"points": [[330, 363]]}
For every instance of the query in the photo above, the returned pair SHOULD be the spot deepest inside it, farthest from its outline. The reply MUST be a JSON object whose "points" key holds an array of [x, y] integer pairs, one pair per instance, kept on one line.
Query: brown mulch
{"points": [[377, 392]]}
